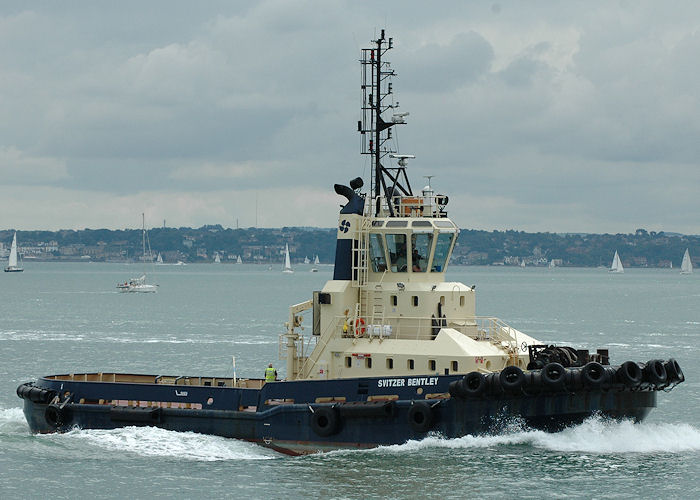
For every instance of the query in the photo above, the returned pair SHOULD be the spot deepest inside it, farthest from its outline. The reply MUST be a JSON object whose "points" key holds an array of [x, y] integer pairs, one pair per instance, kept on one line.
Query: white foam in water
{"points": [[12, 421], [155, 442], [595, 435]]}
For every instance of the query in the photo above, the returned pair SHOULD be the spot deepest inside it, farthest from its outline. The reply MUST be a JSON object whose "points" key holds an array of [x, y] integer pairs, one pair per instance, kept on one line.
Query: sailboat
{"points": [[316, 261], [522, 263], [217, 259], [616, 266], [287, 264], [686, 265], [12, 266], [139, 284], [159, 260], [306, 260], [238, 260]]}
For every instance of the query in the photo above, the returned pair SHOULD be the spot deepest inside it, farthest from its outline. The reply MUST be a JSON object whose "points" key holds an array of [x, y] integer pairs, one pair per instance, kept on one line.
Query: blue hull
{"points": [[286, 416]]}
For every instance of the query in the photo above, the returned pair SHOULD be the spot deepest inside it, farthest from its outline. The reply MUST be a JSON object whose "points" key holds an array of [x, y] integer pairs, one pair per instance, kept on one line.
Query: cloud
{"points": [[529, 112]]}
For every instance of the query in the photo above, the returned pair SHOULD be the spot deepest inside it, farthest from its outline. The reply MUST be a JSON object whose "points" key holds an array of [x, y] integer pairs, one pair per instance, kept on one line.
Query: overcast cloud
{"points": [[536, 116]]}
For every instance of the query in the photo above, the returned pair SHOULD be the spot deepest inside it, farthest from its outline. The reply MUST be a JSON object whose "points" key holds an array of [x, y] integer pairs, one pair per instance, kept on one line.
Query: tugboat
{"points": [[395, 352]]}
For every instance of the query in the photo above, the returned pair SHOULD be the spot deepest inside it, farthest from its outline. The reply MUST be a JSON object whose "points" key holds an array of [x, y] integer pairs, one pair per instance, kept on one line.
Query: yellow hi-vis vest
{"points": [[270, 375]]}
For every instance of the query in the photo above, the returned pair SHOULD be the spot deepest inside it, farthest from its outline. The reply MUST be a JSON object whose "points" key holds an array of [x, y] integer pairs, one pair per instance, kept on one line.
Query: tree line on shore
{"points": [[474, 247]]}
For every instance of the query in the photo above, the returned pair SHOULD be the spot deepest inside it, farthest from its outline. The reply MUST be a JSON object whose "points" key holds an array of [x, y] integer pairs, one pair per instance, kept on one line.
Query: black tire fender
{"points": [[420, 417], [511, 379], [673, 371], [324, 421], [54, 415], [629, 373], [593, 375], [553, 376], [655, 372]]}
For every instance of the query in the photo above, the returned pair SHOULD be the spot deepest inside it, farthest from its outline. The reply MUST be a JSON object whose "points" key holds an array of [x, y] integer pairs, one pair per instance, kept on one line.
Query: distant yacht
{"points": [[238, 260], [316, 261], [159, 260], [686, 265], [616, 266], [287, 264], [217, 259], [12, 266], [306, 260], [522, 263], [139, 284]]}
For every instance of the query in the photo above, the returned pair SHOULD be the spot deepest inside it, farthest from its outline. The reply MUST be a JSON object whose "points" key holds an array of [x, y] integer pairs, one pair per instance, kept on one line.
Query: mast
{"points": [[143, 237], [376, 88]]}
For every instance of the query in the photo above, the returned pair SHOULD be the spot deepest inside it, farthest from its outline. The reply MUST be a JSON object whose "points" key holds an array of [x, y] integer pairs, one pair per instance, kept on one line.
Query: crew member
{"points": [[270, 373], [416, 261]]}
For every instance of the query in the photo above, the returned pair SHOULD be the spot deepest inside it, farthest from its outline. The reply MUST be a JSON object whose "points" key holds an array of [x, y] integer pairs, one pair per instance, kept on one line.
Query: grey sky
{"points": [[537, 116]]}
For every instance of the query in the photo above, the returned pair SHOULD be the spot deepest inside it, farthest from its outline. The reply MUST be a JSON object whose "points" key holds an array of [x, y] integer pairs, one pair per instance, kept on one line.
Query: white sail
{"points": [[616, 266], [12, 266], [238, 260], [316, 262], [686, 265], [217, 259], [159, 260], [12, 261], [287, 263], [306, 260]]}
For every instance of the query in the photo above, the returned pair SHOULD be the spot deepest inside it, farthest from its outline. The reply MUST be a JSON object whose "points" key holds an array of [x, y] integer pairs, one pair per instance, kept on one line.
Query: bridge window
{"points": [[421, 244], [442, 249], [396, 244], [376, 252]]}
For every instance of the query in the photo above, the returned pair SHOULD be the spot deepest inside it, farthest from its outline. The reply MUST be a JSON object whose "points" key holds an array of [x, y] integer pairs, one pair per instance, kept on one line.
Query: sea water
{"points": [[62, 318]]}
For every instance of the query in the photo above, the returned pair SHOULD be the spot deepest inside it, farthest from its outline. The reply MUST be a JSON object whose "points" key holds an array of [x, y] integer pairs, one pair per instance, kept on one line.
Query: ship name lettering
{"points": [[391, 382], [412, 382]]}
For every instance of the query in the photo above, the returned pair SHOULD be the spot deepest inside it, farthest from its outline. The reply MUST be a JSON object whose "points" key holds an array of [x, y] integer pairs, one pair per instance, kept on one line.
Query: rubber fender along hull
{"points": [[291, 429]]}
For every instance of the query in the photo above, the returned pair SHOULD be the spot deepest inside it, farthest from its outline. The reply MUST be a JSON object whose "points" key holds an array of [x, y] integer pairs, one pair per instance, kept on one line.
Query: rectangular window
{"points": [[376, 252], [394, 300], [389, 363], [461, 300], [442, 248], [414, 299], [421, 244], [455, 366], [431, 365], [368, 362], [396, 245], [348, 362], [410, 364]]}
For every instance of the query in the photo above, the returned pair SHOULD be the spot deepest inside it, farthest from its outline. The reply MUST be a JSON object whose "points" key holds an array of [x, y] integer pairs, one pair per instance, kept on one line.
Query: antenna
{"points": [[385, 181]]}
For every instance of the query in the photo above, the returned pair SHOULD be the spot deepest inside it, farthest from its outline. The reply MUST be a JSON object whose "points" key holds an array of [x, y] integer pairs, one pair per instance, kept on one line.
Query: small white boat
{"points": [[616, 266], [316, 261], [12, 265], [552, 265], [686, 265], [287, 264], [159, 260], [217, 259], [306, 260], [522, 263], [139, 284], [238, 260]]}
